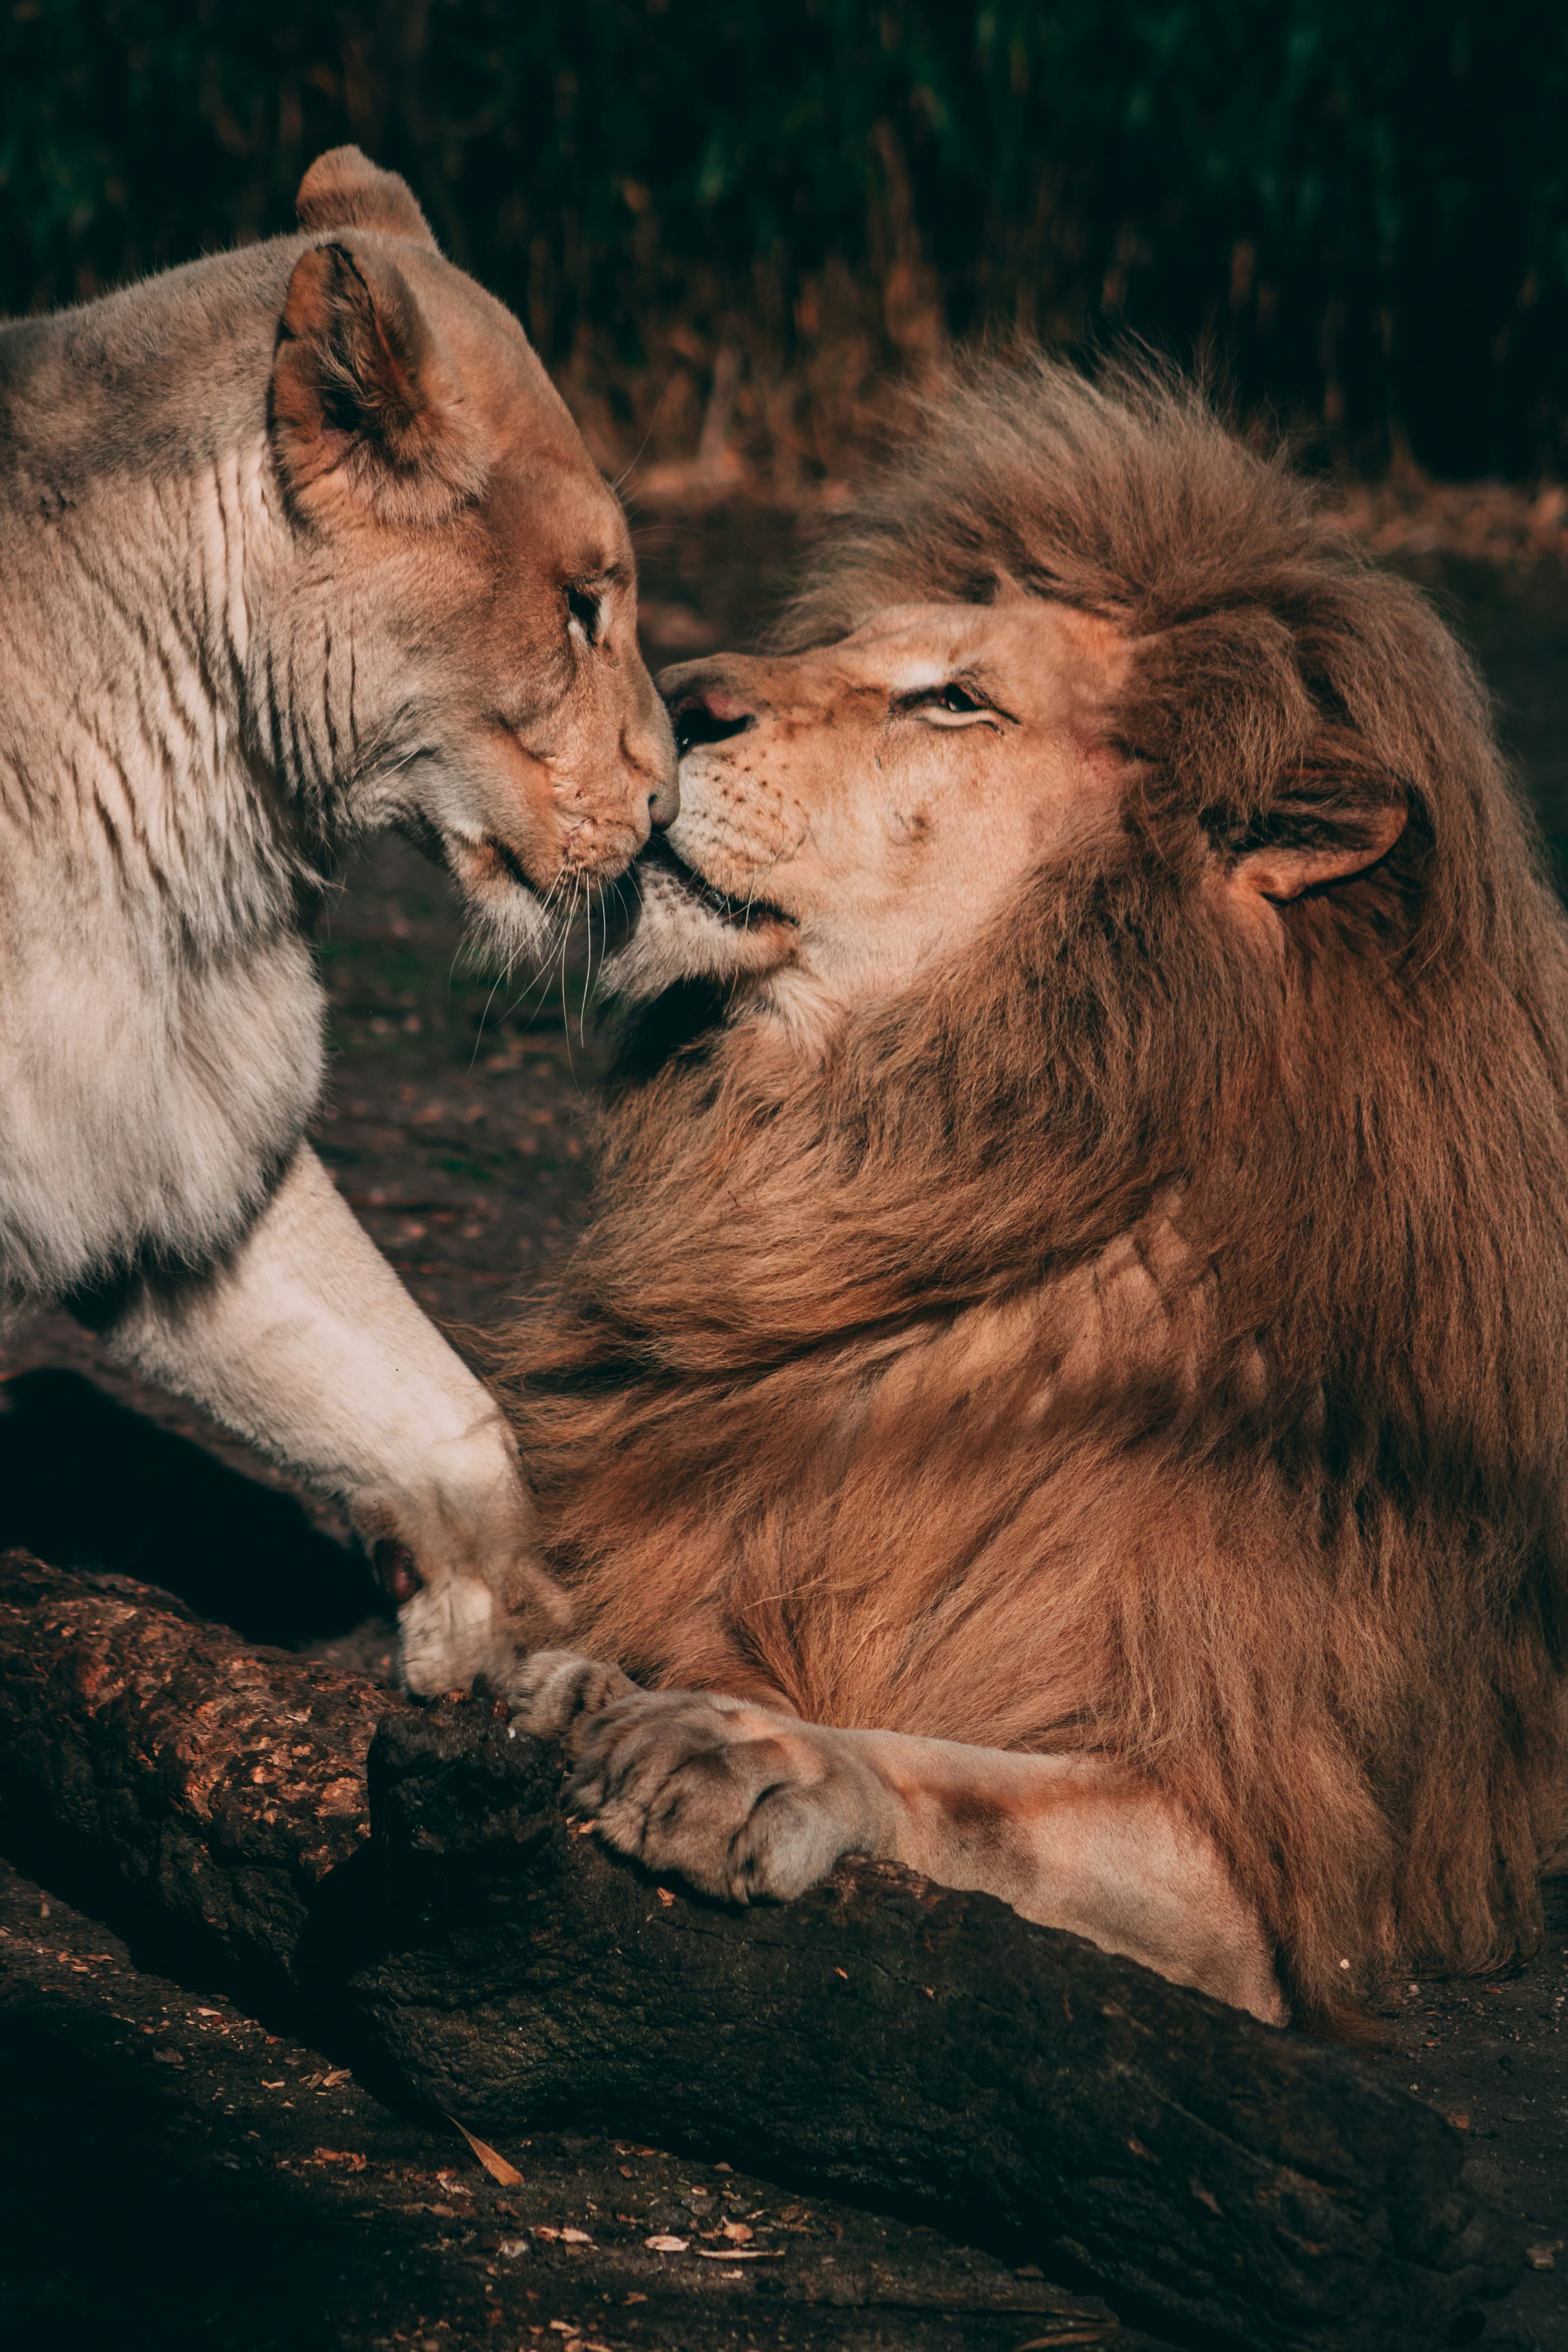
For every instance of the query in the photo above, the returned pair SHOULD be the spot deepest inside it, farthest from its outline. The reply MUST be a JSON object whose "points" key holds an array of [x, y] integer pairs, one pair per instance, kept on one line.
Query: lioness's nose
{"points": [[649, 748], [664, 801], [664, 804]]}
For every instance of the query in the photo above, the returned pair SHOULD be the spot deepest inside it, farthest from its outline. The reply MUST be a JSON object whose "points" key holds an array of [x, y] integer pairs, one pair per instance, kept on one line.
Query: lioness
{"points": [[296, 542], [1065, 1385]]}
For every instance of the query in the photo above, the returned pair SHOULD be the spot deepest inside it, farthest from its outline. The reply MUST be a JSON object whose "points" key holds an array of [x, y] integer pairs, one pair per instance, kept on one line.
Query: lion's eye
{"points": [[953, 704]]}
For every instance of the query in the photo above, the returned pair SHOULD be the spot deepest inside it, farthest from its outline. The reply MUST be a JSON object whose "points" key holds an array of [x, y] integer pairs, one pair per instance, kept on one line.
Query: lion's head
{"points": [[1082, 1250], [973, 704], [855, 812]]}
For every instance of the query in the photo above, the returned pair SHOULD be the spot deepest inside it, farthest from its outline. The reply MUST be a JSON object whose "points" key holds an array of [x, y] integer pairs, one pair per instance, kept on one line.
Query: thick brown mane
{"points": [[1128, 1340]]}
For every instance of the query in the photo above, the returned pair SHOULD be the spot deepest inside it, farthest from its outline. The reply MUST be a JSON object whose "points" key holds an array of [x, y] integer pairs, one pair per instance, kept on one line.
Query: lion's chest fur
{"points": [[905, 1530]]}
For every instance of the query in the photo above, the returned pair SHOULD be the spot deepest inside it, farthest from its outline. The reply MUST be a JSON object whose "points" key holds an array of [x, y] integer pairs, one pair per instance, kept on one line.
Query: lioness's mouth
{"points": [[741, 913]]}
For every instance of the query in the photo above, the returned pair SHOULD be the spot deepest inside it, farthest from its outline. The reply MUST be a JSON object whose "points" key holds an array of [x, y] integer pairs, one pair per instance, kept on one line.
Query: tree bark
{"points": [[416, 1888]]}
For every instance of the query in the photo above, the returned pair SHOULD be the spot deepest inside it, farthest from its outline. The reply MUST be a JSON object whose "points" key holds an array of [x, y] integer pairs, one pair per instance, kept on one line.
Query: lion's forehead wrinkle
{"points": [[928, 624], [788, 722], [1052, 645]]}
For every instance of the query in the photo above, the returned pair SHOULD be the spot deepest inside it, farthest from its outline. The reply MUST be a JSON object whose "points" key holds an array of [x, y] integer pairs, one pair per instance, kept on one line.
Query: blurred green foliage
{"points": [[1359, 205]]}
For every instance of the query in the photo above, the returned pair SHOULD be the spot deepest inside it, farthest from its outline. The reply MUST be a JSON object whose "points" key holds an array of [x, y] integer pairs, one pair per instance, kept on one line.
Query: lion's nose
{"points": [[704, 713]]}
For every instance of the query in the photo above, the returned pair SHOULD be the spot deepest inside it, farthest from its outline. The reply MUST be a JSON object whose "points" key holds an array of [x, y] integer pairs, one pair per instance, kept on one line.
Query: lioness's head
{"points": [[459, 601]]}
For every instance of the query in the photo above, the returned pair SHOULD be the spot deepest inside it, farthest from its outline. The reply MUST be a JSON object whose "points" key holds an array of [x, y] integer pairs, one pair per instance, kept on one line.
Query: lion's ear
{"points": [[344, 189], [1283, 871], [363, 405]]}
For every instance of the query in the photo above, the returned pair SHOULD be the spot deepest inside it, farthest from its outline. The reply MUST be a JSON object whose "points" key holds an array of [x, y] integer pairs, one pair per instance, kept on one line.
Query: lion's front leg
{"points": [[747, 1801], [738, 1800]]}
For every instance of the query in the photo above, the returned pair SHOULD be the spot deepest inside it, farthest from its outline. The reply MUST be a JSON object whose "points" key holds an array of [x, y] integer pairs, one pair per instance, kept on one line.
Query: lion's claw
{"points": [[558, 1694], [739, 1801]]}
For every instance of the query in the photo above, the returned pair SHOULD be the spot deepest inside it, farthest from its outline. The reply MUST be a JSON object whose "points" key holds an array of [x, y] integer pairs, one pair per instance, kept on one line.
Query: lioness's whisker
{"points": [[588, 973]]}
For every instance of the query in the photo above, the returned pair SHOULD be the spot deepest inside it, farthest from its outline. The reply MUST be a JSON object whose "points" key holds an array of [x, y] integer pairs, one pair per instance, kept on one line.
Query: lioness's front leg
{"points": [[745, 1802], [305, 1341]]}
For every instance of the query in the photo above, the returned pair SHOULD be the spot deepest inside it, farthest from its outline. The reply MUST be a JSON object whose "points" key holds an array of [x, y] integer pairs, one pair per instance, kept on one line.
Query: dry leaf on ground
{"points": [[494, 2163]]}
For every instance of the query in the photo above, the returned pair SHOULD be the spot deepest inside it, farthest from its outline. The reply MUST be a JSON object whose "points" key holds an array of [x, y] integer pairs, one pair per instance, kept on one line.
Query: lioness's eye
{"points": [[957, 698], [586, 610]]}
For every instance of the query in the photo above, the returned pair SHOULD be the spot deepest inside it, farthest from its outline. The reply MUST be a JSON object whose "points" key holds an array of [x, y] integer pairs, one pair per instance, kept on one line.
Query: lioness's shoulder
{"points": [[152, 374]]}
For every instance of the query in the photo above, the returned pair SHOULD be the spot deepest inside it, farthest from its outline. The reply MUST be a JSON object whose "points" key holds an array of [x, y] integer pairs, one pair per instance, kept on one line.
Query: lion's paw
{"points": [[557, 1693], [737, 1800]]}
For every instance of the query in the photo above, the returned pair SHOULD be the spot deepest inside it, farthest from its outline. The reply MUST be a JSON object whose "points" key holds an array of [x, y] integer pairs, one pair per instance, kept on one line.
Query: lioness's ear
{"points": [[344, 189], [1280, 872], [362, 405]]}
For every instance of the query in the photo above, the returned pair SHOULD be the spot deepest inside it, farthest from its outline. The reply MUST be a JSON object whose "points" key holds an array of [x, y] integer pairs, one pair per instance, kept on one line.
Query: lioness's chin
{"points": [[507, 924], [687, 930]]}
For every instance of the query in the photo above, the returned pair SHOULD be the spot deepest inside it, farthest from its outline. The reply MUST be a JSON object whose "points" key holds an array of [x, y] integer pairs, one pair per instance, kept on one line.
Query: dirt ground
{"points": [[173, 2175]]}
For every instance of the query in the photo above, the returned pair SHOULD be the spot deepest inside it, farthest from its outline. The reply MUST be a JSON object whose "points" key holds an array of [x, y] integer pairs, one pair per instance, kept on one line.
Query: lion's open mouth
{"points": [[742, 913]]}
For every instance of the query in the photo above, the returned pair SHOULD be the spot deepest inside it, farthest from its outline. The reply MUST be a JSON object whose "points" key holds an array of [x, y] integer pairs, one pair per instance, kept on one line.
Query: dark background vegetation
{"points": [[755, 216]]}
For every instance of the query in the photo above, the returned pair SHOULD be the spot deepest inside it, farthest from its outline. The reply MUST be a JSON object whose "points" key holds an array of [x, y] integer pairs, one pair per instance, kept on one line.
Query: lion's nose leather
{"points": [[705, 709]]}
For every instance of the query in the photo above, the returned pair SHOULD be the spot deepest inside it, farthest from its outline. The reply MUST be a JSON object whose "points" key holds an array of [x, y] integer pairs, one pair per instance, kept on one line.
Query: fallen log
{"points": [[406, 1877]]}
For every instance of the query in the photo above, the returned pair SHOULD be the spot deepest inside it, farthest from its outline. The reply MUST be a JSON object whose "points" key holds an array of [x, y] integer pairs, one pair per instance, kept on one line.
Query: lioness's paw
{"points": [[449, 1635], [739, 1801], [556, 1693]]}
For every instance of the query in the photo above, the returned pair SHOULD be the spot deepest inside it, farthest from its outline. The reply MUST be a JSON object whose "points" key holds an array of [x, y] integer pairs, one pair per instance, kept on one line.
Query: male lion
{"points": [[299, 542], [1065, 1384]]}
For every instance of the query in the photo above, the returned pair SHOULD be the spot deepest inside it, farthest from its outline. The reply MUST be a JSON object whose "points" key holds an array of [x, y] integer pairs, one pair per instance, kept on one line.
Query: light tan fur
{"points": [[299, 542], [1066, 1381]]}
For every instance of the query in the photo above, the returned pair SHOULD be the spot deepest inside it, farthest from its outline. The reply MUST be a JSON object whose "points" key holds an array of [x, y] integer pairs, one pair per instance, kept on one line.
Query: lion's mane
{"points": [[1288, 1532]]}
